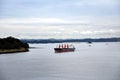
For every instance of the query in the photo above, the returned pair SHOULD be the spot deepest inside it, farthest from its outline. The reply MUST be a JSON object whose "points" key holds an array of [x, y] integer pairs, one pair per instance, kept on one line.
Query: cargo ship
{"points": [[64, 48]]}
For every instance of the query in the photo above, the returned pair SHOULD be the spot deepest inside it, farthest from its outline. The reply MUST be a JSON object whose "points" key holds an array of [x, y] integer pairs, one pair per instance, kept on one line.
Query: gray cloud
{"points": [[60, 18]]}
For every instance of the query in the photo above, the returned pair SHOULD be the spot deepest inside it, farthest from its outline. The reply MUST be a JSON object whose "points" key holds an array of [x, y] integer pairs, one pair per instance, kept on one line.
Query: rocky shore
{"points": [[13, 50], [12, 45]]}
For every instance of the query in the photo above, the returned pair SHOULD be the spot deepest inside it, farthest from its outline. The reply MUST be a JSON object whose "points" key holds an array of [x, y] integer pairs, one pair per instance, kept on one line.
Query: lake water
{"points": [[101, 61]]}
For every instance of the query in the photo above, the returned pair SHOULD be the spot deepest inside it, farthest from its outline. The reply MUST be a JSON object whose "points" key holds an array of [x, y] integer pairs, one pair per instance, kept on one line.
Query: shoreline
{"points": [[5, 51]]}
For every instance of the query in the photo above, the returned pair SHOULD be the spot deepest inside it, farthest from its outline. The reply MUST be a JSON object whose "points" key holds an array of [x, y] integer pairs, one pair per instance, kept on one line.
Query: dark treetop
{"points": [[12, 43]]}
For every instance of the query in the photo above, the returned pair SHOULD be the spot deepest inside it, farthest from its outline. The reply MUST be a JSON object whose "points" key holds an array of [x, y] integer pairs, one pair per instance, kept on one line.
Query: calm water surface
{"points": [[101, 61]]}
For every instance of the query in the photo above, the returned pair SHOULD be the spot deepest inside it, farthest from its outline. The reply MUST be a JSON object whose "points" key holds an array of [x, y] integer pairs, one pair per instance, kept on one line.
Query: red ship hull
{"points": [[58, 50]]}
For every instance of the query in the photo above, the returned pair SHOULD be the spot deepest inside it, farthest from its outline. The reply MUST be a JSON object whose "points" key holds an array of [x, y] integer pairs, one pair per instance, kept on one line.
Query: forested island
{"points": [[12, 45]]}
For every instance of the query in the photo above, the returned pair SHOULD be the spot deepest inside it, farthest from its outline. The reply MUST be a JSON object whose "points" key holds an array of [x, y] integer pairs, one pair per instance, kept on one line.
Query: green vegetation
{"points": [[11, 43]]}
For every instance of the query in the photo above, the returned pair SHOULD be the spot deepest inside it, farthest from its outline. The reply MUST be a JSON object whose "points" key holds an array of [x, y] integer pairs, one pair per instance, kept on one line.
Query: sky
{"points": [[60, 19]]}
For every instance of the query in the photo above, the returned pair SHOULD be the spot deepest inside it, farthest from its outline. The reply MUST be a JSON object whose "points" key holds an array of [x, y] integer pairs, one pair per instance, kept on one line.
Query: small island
{"points": [[12, 45]]}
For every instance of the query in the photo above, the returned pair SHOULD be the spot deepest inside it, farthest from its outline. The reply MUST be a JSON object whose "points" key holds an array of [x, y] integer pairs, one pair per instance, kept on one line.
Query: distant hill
{"points": [[11, 44], [70, 40]]}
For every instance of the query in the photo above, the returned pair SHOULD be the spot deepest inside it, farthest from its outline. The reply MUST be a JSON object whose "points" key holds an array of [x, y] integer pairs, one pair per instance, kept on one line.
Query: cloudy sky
{"points": [[60, 18]]}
